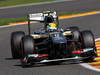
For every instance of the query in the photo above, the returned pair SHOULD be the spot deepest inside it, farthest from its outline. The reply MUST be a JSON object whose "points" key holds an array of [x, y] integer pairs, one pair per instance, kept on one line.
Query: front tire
{"points": [[88, 41], [27, 45], [28, 48]]}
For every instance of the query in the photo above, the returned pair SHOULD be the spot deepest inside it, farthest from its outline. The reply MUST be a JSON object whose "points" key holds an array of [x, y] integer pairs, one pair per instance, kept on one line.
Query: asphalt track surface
{"points": [[8, 66], [73, 6]]}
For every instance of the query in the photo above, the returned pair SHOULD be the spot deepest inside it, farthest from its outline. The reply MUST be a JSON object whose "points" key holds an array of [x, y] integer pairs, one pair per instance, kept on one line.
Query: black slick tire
{"points": [[76, 33], [28, 45], [88, 41], [16, 38]]}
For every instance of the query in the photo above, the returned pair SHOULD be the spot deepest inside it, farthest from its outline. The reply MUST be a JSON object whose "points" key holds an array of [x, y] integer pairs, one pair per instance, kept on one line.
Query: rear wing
{"points": [[41, 16]]}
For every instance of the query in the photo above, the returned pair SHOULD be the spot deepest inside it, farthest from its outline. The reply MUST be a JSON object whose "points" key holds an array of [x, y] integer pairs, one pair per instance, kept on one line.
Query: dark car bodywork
{"points": [[54, 45]]}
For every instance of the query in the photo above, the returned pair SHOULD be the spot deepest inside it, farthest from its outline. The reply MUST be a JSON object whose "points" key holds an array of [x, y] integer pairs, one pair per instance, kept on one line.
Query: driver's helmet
{"points": [[49, 19], [52, 27]]}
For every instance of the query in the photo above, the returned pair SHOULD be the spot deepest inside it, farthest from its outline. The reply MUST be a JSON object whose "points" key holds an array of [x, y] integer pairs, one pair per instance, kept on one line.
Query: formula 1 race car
{"points": [[53, 44]]}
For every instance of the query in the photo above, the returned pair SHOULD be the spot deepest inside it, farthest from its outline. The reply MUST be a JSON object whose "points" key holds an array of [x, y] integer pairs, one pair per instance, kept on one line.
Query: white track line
{"points": [[39, 3], [6, 26], [97, 39], [85, 65]]}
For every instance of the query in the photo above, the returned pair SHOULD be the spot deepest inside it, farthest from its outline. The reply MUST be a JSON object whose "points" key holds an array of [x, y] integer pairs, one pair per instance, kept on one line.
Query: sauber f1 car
{"points": [[53, 44]]}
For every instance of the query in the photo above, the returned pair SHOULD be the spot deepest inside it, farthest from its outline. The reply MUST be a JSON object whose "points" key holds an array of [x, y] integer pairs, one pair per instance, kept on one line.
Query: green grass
{"points": [[17, 2], [6, 21], [68, 13]]}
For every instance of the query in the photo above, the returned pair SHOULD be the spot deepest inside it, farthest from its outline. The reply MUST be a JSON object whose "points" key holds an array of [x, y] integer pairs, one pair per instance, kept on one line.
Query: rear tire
{"points": [[16, 44], [76, 33]]}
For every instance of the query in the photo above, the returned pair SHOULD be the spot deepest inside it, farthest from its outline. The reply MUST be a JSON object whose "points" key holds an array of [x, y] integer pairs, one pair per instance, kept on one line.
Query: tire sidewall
{"points": [[16, 38], [27, 45]]}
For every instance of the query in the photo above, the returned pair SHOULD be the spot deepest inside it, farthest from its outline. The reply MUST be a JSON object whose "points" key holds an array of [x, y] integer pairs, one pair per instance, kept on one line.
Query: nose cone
{"points": [[57, 37], [59, 40]]}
